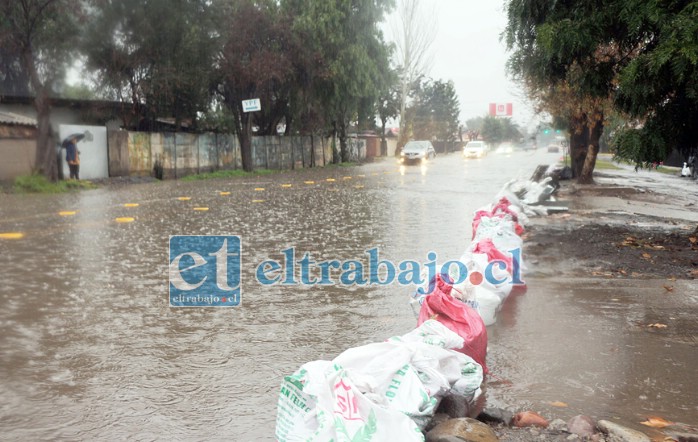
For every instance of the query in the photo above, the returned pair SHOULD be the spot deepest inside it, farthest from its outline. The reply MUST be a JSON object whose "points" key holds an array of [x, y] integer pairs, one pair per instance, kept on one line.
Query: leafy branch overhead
{"points": [[633, 60]]}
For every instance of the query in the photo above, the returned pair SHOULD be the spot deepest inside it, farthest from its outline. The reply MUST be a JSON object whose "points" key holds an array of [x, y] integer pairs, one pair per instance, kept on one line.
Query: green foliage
{"points": [[642, 55], [436, 111], [36, 183], [641, 146], [475, 124], [79, 92], [349, 62], [658, 88], [158, 53], [496, 130]]}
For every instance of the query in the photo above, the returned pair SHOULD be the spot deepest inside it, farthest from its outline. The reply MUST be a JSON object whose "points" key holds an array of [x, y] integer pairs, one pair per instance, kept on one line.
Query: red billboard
{"points": [[501, 109]]}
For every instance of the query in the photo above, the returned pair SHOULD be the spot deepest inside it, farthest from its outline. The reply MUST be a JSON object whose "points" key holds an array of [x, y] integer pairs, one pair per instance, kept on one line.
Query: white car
{"points": [[475, 149]]}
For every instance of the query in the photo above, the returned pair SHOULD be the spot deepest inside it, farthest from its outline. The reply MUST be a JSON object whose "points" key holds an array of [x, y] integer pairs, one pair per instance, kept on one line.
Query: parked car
{"points": [[417, 152], [475, 149], [554, 148]]}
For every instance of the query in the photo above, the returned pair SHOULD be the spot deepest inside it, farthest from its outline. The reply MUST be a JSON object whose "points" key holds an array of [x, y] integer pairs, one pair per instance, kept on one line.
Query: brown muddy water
{"points": [[91, 350]]}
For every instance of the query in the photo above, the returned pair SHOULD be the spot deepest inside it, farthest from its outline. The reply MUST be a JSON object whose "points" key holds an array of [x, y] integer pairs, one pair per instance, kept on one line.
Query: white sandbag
{"points": [[376, 392], [488, 304]]}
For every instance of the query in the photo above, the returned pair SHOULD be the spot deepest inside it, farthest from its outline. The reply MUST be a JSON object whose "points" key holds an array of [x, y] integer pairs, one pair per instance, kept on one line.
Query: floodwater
{"points": [[91, 350]]}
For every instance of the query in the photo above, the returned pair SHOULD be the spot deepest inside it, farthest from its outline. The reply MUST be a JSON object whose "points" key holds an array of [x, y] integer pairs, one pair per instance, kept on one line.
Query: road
{"points": [[91, 348]]}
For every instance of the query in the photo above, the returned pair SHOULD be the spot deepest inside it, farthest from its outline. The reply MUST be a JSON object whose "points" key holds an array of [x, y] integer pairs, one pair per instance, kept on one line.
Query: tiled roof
{"points": [[12, 118]]}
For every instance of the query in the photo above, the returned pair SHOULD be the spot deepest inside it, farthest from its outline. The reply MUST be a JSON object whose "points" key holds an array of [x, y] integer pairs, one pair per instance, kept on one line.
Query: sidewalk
{"points": [[625, 216]]}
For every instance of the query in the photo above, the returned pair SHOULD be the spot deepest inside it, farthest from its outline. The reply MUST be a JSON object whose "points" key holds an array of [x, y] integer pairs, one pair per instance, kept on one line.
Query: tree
{"points": [[571, 47], [658, 89], [388, 107], [41, 34], [436, 111], [350, 60], [157, 54], [13, 79], [497, 130], [254, 62], [414, 35]]}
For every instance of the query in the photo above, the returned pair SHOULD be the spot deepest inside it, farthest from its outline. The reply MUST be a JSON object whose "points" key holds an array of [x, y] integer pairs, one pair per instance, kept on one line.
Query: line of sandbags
{"points": [[378, 392], [391, 390], [490, 269]]}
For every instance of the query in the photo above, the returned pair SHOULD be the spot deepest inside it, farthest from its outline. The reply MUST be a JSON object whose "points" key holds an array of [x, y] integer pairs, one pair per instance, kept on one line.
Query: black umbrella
{"points": [[77, 137]]}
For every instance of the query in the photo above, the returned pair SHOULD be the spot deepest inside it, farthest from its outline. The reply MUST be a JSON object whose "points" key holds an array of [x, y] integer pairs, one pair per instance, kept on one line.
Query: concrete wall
{"points": [[357, 149], [180, 154], [17, 151], [392, 146]]}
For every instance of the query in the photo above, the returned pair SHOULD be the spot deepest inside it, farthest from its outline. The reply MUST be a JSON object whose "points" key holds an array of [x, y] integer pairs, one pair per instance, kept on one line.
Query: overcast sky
{"points": [[467, 50]]}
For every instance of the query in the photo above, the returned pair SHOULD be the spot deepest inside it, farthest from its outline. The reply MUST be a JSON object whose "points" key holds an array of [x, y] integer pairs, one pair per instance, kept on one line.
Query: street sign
{"points": [[251, 105]]}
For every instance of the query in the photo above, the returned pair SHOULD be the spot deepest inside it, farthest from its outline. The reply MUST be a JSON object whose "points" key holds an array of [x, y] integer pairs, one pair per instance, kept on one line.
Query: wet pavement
{"points": [[90, 348]]}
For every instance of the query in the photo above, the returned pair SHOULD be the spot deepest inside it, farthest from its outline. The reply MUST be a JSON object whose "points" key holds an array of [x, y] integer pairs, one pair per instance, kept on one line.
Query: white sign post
{"points": [[251, 105]]}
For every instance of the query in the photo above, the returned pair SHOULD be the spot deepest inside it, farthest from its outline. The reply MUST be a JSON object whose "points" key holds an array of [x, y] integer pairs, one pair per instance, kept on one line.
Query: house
{"points": [[18, 130]]}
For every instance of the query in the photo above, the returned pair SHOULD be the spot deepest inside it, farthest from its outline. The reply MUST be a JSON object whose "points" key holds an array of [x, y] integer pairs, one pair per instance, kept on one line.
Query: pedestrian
{"points": [[72, 157]]}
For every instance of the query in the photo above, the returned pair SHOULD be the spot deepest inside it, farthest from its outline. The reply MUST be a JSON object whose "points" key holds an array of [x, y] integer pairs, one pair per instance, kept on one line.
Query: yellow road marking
{"points": [[12, 235], [125, 219]]}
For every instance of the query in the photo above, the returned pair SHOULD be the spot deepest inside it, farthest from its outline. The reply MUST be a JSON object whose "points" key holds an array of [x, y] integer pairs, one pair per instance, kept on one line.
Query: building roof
{"points": [[16, 119]]}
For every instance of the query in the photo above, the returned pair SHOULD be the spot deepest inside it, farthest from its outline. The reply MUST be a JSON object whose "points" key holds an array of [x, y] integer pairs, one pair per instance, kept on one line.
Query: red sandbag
{"points": [[500, 210], [486, 246], [459, 318]]}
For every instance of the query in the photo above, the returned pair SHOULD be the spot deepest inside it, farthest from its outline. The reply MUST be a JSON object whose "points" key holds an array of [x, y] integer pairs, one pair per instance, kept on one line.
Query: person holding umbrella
{"points": [[72, 155]]}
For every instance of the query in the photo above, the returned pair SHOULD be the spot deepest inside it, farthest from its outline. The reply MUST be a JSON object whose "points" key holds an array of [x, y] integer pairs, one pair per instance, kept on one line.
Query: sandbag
{"points": [[376, 392], [459, 318]]}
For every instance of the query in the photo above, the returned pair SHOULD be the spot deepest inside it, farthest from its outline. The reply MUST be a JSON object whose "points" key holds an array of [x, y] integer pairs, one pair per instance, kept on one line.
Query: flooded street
{"points": [[91, 349]]}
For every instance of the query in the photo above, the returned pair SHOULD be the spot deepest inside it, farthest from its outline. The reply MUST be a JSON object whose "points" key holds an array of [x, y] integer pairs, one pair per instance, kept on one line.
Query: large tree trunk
{"points": [[384, 142], [595, 131], [245, 138], [579, 143], [343, 148], [45, 158]]}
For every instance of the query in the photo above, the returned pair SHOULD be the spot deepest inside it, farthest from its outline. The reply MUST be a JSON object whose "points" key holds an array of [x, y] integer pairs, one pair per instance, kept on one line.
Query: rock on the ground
{"points": [[436, 420], [496, 416], [557, 425], [618, 433], [454, 405], [462, 429], [682, 437], [529, 419], [581, 425]]}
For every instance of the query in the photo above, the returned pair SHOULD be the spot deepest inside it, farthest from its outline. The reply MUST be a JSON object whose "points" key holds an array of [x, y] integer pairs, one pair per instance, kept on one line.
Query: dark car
{"points": [[417, 152], [554, 148]]}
